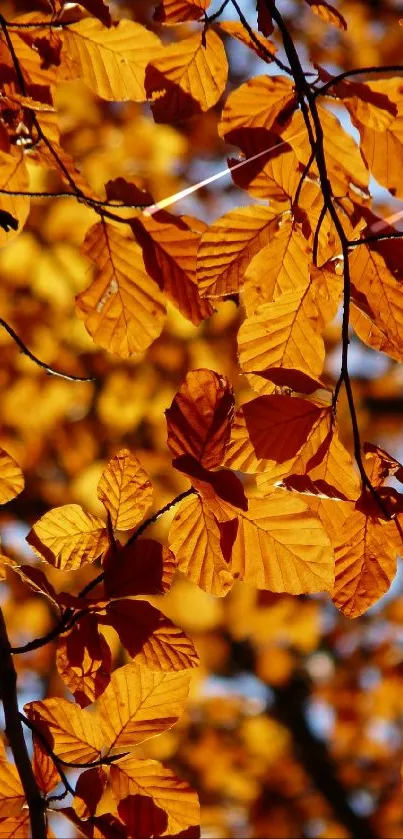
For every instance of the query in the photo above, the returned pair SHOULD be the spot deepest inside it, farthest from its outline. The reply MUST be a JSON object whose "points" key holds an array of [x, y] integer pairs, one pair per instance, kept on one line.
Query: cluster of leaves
{"points": [[304, 518]]}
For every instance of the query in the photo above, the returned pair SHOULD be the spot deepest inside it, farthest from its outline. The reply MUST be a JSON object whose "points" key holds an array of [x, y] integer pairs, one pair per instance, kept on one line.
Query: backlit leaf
{"points": [[189, 76], [125, 490], [195, 539], [13, 178], [141, 567], [228, 246], [140, 703], [67, 537], [150, 778], [328, 13], [73, 734], [123, 308], [281, 546], [11, 477], [199, 419], [110, 61], [176, 11], [84, 661], [12, 793], [257, 103]]}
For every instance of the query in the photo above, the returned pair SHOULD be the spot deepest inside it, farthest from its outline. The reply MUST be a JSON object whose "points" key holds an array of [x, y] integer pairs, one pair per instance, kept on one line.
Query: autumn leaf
{"points": [[141, 567], [328, 13], [176, 11], [122, 309], [365, 562], [282, 547], [378, 303], [84, 660], [13, 178], [12, 793], [170, 247], [187, 77], [199, 419], [46, 774], [11, 477], [195, 539], [73, 734], [257, 104], [264, 48], [148, 636], [67, 537], [149, 778], [228, 246], [125, 490], [140, 703], [112, 61]]}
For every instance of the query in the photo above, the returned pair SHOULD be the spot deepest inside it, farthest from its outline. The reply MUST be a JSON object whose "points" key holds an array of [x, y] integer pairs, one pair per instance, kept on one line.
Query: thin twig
{"points": [[391, 68], [375, 237], [51, 370], [315, 244], [59, 761], [92, 202], [8, 692], [259, 44]]}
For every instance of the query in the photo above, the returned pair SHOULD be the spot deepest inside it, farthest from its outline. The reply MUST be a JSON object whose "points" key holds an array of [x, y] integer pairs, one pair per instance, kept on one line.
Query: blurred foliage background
{"points": [[294, 727]]}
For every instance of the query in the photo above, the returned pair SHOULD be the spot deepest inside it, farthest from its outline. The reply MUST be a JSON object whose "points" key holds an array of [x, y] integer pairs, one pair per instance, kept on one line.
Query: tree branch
{"points": [[51, 370], [15, 735]]}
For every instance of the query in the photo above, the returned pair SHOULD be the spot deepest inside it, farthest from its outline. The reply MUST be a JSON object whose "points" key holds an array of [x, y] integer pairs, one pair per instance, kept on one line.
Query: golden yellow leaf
{"points": [[377, 294], [189, 76], [194, 538], [17, 827], [228, 246], [257, 104], [13, 177], [11, 477], [365, 563], [281, 546], [140, 703], [150, 778], [123, 308], [126, 490], [280, 340], [275, 175], [345, 166], [73, 734], [176, 11], [261, 46], [111, 61], [328, 13], [281, 266], [67, 537], [383, 143], [12, 794]]}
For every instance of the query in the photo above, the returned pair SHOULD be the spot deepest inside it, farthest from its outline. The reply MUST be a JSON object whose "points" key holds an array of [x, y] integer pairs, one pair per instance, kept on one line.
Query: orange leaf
{"points": [[195, 539], [377, 294], [122, 309], [228, 246], [281, 546], [264, 48], [13, 178], [11, 477], [383, 142], [73, 734], [150, 778], [111, 62], [46, 774], [274, 176], [141, 567], [88, 792], [18, 827], [149, 637], [199, 419], [12, 794], [84, 661], [169, 250], [125, 490], [67, 537], [140, 703], [272, 430], [281, 341], [257, 103], [188, 77], [142, 816], [379, 465], [328, 13], [176, 11], [365, 563]]}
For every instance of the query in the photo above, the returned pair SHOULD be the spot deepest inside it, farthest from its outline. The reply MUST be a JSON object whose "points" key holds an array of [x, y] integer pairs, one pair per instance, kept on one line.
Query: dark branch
{"points": [[15, 735], [51, 370]]}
